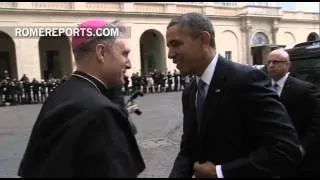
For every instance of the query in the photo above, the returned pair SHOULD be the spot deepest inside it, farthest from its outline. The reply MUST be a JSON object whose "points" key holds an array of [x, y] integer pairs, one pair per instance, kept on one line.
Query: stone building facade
{"points": [[239, 27]]}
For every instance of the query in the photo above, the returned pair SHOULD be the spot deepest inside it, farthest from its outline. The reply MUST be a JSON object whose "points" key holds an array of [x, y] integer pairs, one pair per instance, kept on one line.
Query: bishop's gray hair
{"points": [[109, 41]]}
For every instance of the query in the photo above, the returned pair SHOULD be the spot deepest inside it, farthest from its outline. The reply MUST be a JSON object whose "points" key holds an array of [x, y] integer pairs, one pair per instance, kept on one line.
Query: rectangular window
{"points": [[226, 4], [228, 55], [259, 3]]}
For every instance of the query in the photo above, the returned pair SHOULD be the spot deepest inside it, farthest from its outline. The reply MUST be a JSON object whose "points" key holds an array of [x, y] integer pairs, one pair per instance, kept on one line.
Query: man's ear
{"points": [[100, 52], [205, 37]]}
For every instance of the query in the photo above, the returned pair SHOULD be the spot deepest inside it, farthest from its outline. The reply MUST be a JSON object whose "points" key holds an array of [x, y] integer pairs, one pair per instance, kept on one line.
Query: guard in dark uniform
{"points": [[51, 86], [176, 80], [170, 81], [20, 91], [35, 90], [2, 94], [134, 81], [144, 83], [43, 90], [13, 93], [5, 92], [150, 81], [139, 84], [6, 75], [24, 78], [126, 85], [182, 82], [162, 79], [155, 77], [27, 91]]}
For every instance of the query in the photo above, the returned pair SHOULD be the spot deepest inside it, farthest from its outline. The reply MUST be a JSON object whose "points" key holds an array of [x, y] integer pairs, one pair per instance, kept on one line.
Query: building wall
{"points": [[228, 38], [234, 26], [291, 33]]}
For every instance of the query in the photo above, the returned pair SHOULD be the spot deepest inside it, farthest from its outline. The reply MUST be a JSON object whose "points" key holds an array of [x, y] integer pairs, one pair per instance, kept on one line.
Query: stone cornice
{"points": [[100, 13], [158, 10]]}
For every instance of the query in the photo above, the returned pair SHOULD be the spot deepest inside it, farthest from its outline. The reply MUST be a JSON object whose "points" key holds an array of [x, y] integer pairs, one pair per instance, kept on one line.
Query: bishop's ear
{"points": [[100, 52]]}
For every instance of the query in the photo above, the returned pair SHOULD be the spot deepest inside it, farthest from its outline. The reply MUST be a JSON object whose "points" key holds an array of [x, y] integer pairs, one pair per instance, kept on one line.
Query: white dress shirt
{"points": [[208, 73], [206, 77], [281, 83]]}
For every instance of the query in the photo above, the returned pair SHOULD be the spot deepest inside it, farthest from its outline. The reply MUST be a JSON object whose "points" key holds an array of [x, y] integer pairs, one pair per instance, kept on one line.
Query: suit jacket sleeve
{"points": [[273, 138], [183, 165], [102, 152], [312, 133]]}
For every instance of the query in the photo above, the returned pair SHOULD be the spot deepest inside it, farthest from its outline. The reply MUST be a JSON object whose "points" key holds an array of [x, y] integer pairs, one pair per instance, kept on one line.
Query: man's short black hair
{"points": [[196, 23]]}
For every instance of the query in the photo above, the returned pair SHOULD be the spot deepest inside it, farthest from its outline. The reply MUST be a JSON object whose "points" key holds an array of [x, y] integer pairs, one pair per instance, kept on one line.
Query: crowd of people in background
{"points": [[156, 82], [25, 90], [32, 91]]}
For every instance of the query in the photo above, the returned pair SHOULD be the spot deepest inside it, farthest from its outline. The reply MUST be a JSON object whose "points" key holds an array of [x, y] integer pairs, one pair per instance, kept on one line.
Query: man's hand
{"points": [[132, 107], [205, 170], [303, 152]]}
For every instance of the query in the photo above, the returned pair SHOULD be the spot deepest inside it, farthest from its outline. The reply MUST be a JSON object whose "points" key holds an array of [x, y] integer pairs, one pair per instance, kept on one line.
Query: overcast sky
{"points": [[301, 6]]}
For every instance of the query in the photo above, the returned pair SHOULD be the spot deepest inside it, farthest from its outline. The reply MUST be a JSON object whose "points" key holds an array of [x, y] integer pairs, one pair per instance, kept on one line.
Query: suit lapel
{"points": [[193, 92], [286, 87], [192, 100], [214, 94]]}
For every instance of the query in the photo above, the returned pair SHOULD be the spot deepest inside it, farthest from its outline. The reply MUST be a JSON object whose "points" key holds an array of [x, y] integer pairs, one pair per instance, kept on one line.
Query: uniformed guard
{"points": [[24, 78], [43, 90], [27, 91], [13, 93], [126, 85], [2, 95], [20, 91], [5, 92], [162, 79], [176, 80], [35, 90], [170, 81], [182, 82], [144, 83]]}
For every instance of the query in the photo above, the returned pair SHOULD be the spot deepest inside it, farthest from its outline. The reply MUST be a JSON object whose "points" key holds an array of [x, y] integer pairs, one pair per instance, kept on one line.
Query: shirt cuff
{"points": [[219, 171]]}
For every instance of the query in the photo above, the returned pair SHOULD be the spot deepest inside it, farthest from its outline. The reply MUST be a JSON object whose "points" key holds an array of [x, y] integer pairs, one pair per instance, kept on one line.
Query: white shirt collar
{"points": [[281, 81], [208, 73], [98, 80]]}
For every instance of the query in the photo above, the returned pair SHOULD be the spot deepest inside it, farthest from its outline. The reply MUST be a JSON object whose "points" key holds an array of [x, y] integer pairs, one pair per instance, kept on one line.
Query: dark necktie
{"points": [[276, 87], [200, 99]]}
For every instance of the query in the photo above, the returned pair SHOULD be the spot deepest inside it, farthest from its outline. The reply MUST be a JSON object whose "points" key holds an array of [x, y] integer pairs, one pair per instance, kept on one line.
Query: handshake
{"points": [[133, 107]]}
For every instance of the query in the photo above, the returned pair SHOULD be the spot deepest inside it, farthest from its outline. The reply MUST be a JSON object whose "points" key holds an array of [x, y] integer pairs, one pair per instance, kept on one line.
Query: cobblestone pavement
{"points": [[160, 128]]}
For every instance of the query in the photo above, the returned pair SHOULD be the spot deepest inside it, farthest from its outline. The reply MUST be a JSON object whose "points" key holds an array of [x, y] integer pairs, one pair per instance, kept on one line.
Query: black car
{"points": [[305, 59]]}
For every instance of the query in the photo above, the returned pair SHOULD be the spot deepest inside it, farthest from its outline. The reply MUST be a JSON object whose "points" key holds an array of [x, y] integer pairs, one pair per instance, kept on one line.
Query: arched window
{"points": [[313, 37], [259, 39]]}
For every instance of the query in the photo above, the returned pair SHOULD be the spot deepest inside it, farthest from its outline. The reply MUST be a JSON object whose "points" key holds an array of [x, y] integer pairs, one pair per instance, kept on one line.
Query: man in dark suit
{"points": [[301, 100], [234, 124], [80, 132]]}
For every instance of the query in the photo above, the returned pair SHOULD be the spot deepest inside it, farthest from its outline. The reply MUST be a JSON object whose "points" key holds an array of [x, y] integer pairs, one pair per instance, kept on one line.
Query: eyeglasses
{"points": [[276, 62]]}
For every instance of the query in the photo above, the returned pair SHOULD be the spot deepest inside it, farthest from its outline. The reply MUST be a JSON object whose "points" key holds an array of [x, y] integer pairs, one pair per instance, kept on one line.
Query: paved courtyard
{"points": [[160, 128]]}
